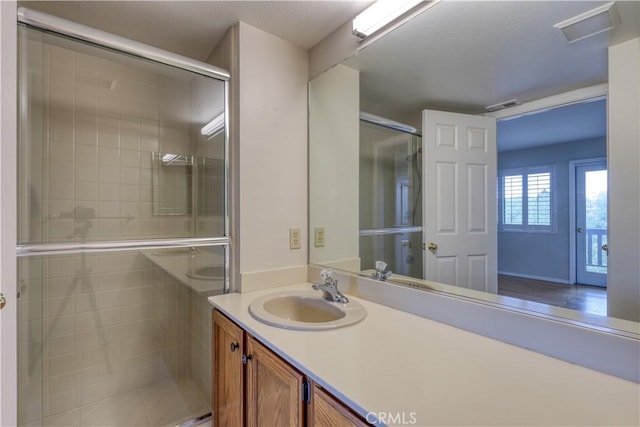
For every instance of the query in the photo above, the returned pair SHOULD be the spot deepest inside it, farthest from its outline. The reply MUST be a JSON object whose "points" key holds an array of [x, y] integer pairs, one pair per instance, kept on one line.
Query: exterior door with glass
{"points": [[591, 223]]}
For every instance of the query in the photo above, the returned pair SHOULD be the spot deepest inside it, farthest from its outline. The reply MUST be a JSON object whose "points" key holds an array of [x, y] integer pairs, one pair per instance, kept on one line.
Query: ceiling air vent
{"points": [[502, 105], [590, 23]]}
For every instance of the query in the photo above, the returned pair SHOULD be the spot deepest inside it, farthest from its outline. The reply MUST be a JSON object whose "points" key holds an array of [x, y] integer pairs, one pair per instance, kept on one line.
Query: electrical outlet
{"points": [[318, 240], [294, 238]]}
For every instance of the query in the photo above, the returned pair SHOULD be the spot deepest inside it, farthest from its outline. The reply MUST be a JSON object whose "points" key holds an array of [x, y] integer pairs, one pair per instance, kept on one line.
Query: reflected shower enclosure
{"points": [[114, 324], [390, 199]]}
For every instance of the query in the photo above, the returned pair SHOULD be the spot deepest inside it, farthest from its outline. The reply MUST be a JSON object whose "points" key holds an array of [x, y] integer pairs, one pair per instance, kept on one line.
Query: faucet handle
{"points": [[326, 275], [381, 266]]}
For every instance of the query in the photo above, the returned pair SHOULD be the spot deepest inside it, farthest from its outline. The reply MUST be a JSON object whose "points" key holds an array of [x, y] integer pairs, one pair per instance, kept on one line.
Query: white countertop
{"points": [[398, 363]]}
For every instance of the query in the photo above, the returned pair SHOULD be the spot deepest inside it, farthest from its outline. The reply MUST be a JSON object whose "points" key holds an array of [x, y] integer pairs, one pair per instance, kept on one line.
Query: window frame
{"points": [[525, 227]]}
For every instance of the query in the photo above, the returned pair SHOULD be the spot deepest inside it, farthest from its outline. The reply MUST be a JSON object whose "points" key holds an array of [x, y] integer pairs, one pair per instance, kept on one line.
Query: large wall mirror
{"points": [[539, 196]]}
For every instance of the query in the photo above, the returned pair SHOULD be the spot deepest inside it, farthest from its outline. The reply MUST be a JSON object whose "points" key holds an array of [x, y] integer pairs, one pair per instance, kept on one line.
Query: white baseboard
{"points": [[535, 277]]}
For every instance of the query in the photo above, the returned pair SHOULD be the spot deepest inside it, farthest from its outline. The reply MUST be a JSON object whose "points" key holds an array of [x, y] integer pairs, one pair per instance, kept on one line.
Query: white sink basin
{"points": [[206, 273], [305, 310]]}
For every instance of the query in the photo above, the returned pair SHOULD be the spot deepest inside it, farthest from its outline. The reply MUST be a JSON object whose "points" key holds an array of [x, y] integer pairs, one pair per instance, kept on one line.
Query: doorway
{"points": [[591, 244], [539, 260]]}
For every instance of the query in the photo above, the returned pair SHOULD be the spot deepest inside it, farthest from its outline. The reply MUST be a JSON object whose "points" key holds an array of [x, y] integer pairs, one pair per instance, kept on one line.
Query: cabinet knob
{"points": [[234, 346], [245, 358]]}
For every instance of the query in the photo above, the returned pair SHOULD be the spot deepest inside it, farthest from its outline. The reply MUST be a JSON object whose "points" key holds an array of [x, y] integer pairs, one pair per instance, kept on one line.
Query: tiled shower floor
{"points": [[162, 404]]}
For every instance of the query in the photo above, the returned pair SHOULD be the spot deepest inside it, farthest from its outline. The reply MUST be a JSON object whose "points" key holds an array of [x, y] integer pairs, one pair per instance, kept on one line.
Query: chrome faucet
{"points": [[329, 288], [381, 272]]}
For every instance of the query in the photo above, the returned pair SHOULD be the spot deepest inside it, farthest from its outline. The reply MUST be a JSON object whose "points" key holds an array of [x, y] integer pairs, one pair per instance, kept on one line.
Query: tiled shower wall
{"points": [[101, 122], [97, 326]]}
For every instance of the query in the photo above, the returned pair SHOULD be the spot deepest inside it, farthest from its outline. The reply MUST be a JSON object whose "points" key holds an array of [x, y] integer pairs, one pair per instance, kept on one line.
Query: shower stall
{"points": [[390, 195], [122, 230]]}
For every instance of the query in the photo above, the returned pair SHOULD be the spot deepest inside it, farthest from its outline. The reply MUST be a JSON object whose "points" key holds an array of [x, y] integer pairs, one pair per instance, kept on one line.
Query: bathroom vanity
{"points": [[399, 368], [275, 392]]}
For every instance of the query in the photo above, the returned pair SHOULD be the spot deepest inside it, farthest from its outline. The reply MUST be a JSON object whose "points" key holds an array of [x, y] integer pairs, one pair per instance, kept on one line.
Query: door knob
{"points": [[432, 247], [579, 229], [3, 301]]}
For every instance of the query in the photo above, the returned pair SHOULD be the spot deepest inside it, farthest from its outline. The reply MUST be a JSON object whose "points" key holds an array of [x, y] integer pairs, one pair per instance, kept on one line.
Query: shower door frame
{"points": [[9, 250], [8, 213]]}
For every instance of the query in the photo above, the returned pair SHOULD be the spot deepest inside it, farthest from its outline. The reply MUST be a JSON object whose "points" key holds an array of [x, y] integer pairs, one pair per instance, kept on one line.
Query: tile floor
{"points": [[162, 404]]}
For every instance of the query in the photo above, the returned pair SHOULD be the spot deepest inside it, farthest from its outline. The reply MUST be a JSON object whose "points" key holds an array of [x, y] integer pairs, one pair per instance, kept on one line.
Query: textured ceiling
{"points": [[458, 56], [193, 28], [464, 55]]}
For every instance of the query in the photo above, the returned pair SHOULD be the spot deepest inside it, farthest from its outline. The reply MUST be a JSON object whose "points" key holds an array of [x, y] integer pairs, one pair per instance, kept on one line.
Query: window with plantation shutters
{"points": [[525, 198]]}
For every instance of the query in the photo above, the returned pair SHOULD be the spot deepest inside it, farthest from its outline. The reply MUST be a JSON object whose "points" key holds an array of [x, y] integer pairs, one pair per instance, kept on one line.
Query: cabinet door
{"points": [[274, 389], [228, 372], [326, 411]]}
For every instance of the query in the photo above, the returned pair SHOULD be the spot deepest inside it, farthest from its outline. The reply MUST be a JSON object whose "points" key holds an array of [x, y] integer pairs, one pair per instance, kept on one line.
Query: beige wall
{"points": [[272, 151], [268, 155], [624, 180], [333, 49]]}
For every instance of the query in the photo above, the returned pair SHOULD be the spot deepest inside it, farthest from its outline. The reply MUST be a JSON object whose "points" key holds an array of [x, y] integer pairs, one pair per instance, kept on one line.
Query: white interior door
{"points": [[591, 224], [460, 230]]}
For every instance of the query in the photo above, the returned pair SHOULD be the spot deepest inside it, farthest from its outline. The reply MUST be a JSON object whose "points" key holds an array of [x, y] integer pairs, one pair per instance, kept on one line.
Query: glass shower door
{"points": [[390, 200], [122, 234]]}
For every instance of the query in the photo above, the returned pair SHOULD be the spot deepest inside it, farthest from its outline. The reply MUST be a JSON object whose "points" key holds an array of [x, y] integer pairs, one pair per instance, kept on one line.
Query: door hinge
{"points": [[306, 391]]}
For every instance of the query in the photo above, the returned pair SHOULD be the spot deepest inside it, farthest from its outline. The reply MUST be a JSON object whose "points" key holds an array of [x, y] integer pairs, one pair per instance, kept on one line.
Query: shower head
{"points": [[414, 155]]}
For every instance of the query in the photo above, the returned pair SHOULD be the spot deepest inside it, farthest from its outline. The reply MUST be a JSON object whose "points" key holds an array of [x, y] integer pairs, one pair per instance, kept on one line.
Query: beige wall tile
{"points": [[86, 154], [61, 190], [108, 190], [64, 364], [86, 172], [108, 156], [62, 170], [86, 190], [62, 345]]}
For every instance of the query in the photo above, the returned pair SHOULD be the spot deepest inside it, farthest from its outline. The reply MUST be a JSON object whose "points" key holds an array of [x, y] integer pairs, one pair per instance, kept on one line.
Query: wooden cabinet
{"points": [[228, 372], [274, 389], [252, 386], [326, 411]]}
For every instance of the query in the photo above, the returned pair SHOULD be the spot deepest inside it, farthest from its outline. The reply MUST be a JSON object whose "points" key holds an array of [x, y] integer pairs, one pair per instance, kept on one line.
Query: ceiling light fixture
{"points": [[381, 13], [590, 23], [214, 126]]}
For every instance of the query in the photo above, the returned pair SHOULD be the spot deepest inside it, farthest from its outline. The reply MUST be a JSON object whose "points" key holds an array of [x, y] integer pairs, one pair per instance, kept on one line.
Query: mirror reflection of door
{"points": [[460, 230], [591, 224]]}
